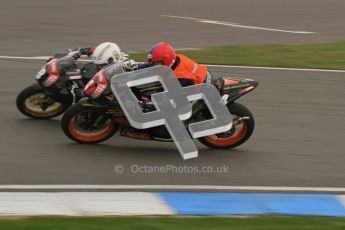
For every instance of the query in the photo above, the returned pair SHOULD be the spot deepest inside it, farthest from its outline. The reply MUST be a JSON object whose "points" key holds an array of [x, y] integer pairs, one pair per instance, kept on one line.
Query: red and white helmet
{"points": [[162, 53]]}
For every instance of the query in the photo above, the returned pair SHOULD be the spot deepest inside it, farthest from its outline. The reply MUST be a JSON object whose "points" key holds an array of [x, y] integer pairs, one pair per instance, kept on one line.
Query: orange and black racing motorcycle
{"points": [[99, 116]]}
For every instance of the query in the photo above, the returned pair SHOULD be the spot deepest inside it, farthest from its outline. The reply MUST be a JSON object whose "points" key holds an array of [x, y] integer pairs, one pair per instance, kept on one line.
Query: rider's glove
{"points": [[86, 51], [129, 65]]}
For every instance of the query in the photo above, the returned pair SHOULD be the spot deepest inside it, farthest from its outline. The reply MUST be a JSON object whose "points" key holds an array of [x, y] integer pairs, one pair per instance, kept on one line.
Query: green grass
{"points": [[310, 55], [178, 223]]}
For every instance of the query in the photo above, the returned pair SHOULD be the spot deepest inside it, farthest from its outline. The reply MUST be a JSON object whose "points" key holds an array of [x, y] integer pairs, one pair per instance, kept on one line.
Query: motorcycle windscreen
{"points": [[172, 106]]}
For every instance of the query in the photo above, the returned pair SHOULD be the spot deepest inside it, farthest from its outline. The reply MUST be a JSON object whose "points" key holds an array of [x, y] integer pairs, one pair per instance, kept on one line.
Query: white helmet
{"points": [[106, 53]]}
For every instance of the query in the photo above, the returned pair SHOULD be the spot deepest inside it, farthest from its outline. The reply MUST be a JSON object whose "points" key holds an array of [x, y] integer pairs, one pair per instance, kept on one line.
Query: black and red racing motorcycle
{"points": [[59, 84], [99, 116]]}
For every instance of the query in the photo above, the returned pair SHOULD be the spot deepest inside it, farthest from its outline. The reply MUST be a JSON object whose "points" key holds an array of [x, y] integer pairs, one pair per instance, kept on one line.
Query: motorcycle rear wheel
{"points": [[237, 135]]}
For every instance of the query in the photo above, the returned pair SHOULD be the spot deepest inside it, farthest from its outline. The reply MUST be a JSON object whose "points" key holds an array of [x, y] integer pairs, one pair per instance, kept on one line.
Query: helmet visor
{"points": [[155, 63]]}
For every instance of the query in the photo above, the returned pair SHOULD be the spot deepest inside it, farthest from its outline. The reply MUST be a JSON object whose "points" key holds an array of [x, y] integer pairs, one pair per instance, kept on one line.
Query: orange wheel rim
{"points": [[231, 140], [90, 137]]}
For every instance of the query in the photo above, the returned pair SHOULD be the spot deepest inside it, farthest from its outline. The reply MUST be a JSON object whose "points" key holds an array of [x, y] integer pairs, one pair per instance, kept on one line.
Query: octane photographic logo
{"points": [[172, 106]]}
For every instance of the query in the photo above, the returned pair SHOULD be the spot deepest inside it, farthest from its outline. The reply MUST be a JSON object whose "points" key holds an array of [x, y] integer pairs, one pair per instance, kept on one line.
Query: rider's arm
{"points": [[65, 63], [69, 60], [144, 66], [185, 82]]}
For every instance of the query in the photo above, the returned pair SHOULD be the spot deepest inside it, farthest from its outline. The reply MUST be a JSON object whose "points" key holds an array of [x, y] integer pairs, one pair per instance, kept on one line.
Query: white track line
{"points": [[231, 24], [278, 68], [173, 187], [25, 58], [218, 66], [35, 58]]}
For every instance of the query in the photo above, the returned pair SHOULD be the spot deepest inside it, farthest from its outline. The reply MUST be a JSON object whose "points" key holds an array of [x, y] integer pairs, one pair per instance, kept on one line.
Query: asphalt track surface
{"points": [[299, 138], [298, 141], [40, 27]]}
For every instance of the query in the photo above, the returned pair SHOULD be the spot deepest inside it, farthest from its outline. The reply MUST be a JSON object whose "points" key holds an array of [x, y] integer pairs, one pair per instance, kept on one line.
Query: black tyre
{"points": [[29, 102], [239, 133], [87, 125]]}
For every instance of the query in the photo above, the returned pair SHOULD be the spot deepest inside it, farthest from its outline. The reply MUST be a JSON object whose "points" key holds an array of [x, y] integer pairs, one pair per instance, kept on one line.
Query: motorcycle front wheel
{"points": [[87, 125], [29, 102]]}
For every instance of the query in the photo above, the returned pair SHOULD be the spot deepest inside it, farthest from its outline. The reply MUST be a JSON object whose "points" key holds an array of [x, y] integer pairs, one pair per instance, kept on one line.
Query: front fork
{"points": [[77, 91], [52, 97], [73, 92], [48, 101]]}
